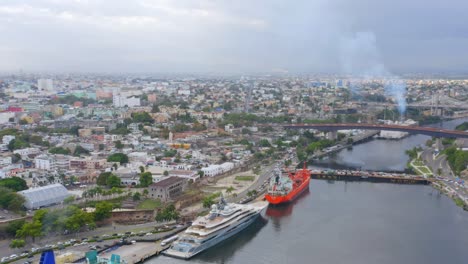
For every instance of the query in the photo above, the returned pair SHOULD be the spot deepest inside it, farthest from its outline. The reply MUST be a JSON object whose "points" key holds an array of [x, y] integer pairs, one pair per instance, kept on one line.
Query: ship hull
{"points": [[218, 239], [275, 200]]}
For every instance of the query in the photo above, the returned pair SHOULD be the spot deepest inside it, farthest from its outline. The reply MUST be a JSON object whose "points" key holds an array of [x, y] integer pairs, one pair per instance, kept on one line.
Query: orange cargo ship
{"points": [[284, 189]]}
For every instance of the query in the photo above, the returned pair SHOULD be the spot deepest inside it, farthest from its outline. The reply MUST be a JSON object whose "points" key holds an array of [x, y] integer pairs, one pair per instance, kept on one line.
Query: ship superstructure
{"points": [[283, 189], [223, 221]]}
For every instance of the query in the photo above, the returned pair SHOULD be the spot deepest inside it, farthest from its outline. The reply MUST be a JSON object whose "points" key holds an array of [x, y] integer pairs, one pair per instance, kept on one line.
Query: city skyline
{"points": [[233, 38]]}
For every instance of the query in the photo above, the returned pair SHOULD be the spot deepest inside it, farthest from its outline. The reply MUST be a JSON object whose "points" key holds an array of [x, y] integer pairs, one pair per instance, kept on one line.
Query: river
{"points": [[380, 155], [354, 222]]}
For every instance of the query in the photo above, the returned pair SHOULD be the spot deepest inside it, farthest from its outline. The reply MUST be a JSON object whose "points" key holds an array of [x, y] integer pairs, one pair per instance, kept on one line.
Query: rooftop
{"points": [[167, 182]]}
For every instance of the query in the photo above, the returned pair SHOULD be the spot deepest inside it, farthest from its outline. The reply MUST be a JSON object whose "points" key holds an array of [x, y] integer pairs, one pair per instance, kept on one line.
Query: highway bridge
{"points": [[430, 131]]}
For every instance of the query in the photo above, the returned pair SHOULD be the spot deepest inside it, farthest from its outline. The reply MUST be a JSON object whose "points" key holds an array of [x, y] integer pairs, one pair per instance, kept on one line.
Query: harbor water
{"points": [[358, 222], [354, 222]]}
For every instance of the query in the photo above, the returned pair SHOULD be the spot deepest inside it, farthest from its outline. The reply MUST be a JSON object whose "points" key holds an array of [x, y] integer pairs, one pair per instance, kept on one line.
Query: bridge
{"points": [[369, 177], [430, 131]]}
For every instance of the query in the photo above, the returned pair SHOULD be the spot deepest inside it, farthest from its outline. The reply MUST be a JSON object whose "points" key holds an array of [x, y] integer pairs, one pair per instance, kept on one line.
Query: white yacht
{"points": [[223, 221]]}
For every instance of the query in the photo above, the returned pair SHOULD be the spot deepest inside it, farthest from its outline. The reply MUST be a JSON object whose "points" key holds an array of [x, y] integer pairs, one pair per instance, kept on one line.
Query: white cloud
{"points": [[204, 35]]}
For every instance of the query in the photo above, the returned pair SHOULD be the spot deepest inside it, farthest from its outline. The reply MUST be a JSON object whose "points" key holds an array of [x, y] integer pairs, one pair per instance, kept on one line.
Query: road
{"points": [[264, 175], [447, 175], [5, 250]]}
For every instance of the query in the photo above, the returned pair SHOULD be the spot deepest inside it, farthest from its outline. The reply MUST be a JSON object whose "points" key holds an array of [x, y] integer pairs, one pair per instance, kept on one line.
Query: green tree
{"points": [[113, 181], [17, 144], [142, 117], [463, 126], [23, 122], [16, 157], [40, 214], [102, 178], [208, 201], [69, 200], [11, 200], [33, 230], [155, 109], [118, 157], [74, 130], [429, 143], [167, 214], [59, 150], [17, 243], [142, 169], [198, 127], [136, 196], [180, 127], [146, 179], [118, 144], [80, 150], [103, 211], [264, 143], [145, 192], [166, 173], [78, 219], [14, 226], [230, 189], [170, 153], [14, 183]]}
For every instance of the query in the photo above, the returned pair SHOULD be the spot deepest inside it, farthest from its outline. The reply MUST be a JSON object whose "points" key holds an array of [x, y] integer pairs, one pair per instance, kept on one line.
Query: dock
{"points": [[371, 177], [136, 253]]}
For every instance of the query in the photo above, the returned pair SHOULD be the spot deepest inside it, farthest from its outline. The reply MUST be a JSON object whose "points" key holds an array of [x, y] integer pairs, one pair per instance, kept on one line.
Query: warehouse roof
{"points": [[44, 196]]}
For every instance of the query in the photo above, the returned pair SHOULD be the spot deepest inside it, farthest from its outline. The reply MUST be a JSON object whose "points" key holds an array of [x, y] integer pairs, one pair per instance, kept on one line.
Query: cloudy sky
{"points": [[234, 36]]}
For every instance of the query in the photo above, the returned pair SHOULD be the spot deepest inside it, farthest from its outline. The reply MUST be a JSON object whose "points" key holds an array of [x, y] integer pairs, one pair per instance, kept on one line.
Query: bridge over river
{"points": [[430, 131], [370, 176]]}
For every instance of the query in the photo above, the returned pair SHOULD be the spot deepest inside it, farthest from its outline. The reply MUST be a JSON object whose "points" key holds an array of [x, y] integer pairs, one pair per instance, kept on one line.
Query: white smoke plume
{"points": [[361, 58]]}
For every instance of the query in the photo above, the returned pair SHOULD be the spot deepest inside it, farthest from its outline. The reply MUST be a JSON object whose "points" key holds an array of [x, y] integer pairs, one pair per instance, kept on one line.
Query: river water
{"points": [[380, 155], [354, 222]]}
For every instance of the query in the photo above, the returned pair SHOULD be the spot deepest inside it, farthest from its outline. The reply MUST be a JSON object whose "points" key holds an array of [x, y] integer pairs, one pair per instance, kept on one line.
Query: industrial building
{"points": [[44, 196]]}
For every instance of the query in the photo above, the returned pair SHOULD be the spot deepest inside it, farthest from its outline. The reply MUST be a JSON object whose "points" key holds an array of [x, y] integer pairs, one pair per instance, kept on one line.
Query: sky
{"points": [[253, 36]]}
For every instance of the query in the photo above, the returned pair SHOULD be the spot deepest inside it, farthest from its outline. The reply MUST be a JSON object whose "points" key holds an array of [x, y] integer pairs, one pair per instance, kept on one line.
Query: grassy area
{"points": [[459, 202], [245, 178], [425, 170], [419, 167], [149, 204]]}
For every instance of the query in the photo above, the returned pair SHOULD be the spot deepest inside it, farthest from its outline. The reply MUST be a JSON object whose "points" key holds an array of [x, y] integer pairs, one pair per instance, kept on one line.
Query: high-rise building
{"points": [[45, 84]]}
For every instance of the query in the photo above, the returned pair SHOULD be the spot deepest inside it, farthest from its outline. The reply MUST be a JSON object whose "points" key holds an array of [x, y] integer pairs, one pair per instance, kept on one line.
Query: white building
{"points": [[138, 157], [7, 138], [45, 84], [214, 170], [122, 101], [5, 117], [26, 151], [187, 174], [5, 161], [183, 92], [44, 162]]}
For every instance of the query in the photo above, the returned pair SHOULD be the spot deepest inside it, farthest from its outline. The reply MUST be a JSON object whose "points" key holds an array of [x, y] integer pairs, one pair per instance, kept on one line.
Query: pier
{"points": [[367, 176]]}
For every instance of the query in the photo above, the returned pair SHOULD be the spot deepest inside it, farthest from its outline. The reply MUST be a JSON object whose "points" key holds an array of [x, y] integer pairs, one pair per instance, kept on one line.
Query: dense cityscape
{"points": [[81, 154], [200, 131]]}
